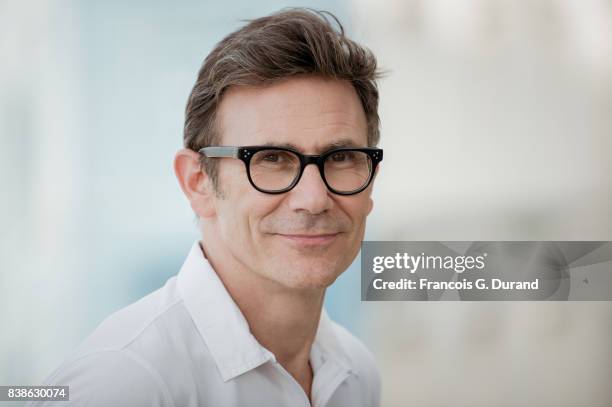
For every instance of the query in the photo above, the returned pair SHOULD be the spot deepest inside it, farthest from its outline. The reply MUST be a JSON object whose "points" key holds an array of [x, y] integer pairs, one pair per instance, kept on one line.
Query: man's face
{"points": [[307, 237]]}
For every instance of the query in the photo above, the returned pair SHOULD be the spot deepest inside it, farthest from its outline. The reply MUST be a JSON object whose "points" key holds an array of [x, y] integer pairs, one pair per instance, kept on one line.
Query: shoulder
{"points": [[113, 377], [116, 364], [128, 324]]}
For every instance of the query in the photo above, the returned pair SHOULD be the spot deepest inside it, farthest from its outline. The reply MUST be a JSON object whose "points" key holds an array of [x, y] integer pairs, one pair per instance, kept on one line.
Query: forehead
{"points": [[310, 113]]}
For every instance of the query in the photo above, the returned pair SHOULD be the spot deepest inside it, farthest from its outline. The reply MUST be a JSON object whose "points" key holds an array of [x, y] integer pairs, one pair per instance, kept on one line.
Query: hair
{"points": [[269, 49]]}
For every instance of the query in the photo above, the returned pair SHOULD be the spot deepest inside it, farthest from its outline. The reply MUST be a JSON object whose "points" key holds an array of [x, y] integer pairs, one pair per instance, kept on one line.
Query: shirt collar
{"points": [[327, 346], [218, 319], [226, 331]]}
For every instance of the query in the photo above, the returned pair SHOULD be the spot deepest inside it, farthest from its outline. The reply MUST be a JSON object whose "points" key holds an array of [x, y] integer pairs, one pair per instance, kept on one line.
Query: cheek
{"points": [[357, 209], [232, 216], [240, 215]]}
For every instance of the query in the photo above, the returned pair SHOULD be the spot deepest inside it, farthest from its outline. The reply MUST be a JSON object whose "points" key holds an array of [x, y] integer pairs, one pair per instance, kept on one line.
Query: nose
{"points": [[310, 194]]}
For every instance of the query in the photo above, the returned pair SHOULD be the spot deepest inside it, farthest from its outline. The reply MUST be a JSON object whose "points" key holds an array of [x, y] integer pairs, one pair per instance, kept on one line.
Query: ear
{"points": [[195, 183]]}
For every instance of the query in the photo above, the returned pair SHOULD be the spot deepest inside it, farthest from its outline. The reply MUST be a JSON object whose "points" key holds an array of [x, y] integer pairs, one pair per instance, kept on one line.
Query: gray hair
{"points": [[291, 42]]}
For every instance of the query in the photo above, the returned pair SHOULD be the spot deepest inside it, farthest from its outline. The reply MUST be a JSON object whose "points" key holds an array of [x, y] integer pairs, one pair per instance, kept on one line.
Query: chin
{"points": [[313, 274]]}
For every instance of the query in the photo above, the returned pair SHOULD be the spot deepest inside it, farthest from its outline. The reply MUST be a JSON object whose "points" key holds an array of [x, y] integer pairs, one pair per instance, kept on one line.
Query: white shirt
{"points": [[188, 344]]}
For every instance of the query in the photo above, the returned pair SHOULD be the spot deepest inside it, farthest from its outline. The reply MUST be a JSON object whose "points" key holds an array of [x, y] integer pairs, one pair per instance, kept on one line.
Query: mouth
{"points": [[308, 239]]}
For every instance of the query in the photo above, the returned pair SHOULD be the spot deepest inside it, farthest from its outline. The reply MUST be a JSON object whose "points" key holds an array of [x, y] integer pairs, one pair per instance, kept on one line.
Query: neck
{"points": [[284, 323], [283, 320]]}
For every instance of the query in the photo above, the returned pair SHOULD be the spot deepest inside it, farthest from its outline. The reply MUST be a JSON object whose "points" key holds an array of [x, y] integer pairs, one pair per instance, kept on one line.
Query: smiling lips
{"points": [[309, 240]]}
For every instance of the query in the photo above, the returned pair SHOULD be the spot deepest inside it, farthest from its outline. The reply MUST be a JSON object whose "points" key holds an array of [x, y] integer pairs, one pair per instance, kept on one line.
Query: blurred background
{"points": [[497, 125]]}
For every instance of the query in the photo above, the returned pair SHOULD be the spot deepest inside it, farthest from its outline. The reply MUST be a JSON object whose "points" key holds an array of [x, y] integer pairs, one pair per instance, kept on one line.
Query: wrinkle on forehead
{"points": [[307, 110]]}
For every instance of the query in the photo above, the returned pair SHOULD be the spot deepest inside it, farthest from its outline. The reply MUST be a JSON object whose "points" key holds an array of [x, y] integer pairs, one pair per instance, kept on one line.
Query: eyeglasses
{"points": [[275, 170]]}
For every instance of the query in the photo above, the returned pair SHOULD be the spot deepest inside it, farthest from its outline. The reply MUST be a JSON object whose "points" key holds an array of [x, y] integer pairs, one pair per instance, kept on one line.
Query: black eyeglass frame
{"points": [[246, 153]]}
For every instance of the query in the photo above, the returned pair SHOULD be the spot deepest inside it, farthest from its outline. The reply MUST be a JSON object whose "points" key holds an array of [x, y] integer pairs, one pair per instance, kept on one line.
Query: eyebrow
{"points": [[341, 143]]}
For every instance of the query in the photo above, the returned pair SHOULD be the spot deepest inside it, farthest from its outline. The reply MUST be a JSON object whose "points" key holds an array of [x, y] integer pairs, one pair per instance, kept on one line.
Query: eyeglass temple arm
{"points": [[219, 151]]}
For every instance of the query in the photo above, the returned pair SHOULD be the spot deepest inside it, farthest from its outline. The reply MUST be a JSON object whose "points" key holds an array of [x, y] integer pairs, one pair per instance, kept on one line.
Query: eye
{"points": [[342, 156], [274, 159], [338, 157], [271, 157]]}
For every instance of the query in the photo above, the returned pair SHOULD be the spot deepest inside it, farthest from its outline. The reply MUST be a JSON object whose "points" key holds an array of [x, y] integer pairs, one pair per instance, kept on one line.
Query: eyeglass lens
{"points": [[345, 171]]}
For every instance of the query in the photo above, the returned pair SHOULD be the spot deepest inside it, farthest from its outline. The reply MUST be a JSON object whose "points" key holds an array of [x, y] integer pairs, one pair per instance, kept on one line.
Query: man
{"points": [[242, 323]]}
